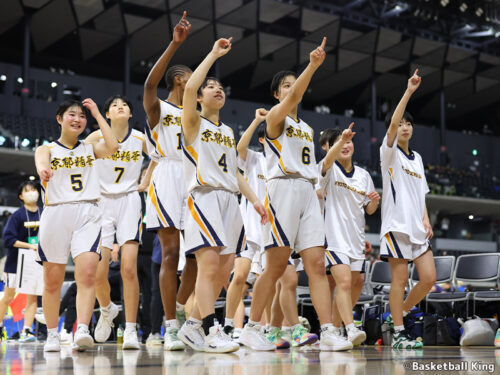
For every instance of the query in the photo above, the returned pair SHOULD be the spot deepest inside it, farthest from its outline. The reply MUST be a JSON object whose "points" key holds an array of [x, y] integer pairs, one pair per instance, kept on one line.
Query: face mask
{"points": [[30, 196]]}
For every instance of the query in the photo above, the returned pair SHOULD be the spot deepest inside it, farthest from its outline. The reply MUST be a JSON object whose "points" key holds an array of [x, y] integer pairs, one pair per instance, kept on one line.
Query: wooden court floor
{"points": [[109, 359]]}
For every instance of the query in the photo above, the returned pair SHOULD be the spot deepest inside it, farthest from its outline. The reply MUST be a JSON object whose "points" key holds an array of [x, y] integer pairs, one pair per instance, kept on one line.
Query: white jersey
{"points": [[210, 161], [164, 139], [254, 168], [292, 153], [346, 196], [75, 177], [120, 172], [318, 187], [404, 190]]}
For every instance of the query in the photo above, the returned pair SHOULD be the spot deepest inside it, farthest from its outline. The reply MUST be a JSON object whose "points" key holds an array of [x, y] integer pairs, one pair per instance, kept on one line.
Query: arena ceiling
{"points": [[454, 43]]}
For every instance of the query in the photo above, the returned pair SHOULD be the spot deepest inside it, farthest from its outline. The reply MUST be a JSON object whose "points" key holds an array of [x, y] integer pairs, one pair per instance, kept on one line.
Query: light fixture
{"points": [[45, 142], [53, 84], [2, 140], [479, 11], [3, 77], [471, 217], [25, 142], [444, 2], [20, 80], [463, 7], [32, 178]]}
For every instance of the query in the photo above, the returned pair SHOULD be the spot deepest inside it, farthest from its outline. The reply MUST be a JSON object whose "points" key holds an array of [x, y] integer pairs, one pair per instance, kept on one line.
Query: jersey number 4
{"points": [[120, 171], [222, 162], [76, 182]]}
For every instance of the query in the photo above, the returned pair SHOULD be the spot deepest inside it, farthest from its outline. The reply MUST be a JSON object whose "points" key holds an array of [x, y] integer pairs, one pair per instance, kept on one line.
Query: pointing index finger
{"points": [[323, 43], [351, 125]]}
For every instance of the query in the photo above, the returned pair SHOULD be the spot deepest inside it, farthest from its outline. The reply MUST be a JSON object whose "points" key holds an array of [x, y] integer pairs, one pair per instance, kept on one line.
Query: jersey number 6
{"points": [[76, 182], [306, 156]]}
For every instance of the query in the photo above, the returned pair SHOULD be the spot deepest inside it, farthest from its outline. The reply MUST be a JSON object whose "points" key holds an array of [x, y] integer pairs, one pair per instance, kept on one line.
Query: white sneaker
{"points": [[130, 340], [154, 339], [192, 335], [332, 341], [171, 340], [53, 343], [236, 335], [66, 337], [218, 342], [39, 316], [82, 340], [255, 339], [105, 323], [356, 336]]}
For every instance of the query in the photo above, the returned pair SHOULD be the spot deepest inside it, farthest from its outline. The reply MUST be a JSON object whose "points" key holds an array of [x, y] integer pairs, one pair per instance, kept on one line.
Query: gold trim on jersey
{"points": [[191, 151], [155, 137]]}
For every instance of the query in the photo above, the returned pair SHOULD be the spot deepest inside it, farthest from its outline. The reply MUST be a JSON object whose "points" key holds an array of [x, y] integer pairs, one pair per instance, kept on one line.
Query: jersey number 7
{"points": [[120, 171]]}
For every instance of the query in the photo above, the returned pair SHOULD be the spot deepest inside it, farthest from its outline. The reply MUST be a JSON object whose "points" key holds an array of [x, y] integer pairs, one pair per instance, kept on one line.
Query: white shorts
{"points": [[121, 216], [69, 228], [292, 261], [9, 279], [294, 215], [256, 266], [336, 257], [213, 218], [166, 203], [398, 245], [250, 251]]}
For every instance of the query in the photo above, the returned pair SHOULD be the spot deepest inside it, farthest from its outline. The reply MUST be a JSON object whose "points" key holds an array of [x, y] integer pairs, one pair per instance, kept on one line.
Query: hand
{"points": [[221, 47], [317, 56], [45, 174], [368, 247], [414, 82], [143, 186], [34, 247], [347, 134], [261, 210], [114, 253], [374, 196], [181, 30], [260, 114], [92, 107], [428, 229]]}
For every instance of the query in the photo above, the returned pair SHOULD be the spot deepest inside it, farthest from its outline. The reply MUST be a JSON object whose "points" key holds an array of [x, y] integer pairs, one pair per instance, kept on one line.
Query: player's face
{"points": [[184, 78], [118, 110], [73, 120], [405, 130], [212, 95], [347, 151], [284, 87]]}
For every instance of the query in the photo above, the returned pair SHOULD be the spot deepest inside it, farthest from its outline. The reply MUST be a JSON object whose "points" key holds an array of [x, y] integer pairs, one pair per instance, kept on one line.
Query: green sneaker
{"points": [[301, 336], [402, 340], [275, 336], [180, 316], [171, 341], [27, 336]]}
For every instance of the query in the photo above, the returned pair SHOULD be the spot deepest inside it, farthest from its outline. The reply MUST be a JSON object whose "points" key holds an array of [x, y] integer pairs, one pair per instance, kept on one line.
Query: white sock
{"points": [[399, 328], [267, 327], [130, 326], [194, 320], [324, 327], [228, 322], [286, 328], [251, 323], [53, 330], [350, 326], [405, 313], [106, 308], [171, 323], [82, 326], [179, 307]]}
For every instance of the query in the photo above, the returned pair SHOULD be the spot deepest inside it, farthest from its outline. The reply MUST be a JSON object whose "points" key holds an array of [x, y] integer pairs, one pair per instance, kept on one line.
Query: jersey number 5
{"points": [[76, 182], [120, 171], [306, 156], [222, 162]]}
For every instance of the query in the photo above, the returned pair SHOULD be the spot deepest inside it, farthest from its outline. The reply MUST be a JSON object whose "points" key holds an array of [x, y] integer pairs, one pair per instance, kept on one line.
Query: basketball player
{"points": [[349, 193], [121, 218], [293, 207], [71, 220], [406, 229], [214, 226], [167, 193]]}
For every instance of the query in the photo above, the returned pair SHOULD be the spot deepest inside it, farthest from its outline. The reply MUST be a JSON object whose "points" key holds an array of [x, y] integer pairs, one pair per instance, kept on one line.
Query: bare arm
{"points": [[146, 179], [334, 151], [150, 99], [242, 147], [392, 131], [427, 225], [190, 117], [279, 112], [93, 137], [42, 163], [371, 207], [25, 245], [110, 145], [252, 198]]}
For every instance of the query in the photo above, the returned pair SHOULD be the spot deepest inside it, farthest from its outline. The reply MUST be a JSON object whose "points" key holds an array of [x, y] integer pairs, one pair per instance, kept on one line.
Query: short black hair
{"points": [[330, 136], [23, 185], [175, 71], [406, 116], [111, 99], [206, 83], [261, 131], [278, 79], [65, 105]]}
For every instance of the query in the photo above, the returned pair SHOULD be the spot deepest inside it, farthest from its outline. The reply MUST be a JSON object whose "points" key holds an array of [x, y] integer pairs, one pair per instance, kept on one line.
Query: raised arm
{"points": [[93, 137], [392, 131], [42, 163], [279, 112], [248, 193], [150, 100], [242, 147], [110, 145], [190, 117], [334, 151]]}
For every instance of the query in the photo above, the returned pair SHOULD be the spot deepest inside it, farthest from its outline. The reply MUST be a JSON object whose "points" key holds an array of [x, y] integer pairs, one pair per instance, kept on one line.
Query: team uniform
{"points": [[346, 196], [120, 202], [404, 188], [291, 200], [167, 193], [71, 219], [213, 217]]}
